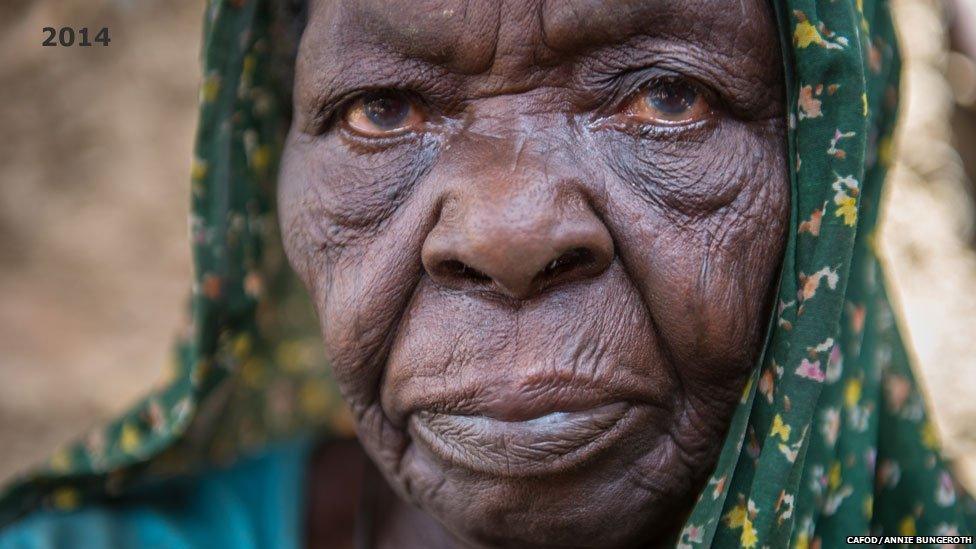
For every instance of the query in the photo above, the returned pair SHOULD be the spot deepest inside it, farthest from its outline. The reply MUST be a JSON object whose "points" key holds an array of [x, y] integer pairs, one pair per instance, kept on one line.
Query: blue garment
{"points": [[256, 503]]}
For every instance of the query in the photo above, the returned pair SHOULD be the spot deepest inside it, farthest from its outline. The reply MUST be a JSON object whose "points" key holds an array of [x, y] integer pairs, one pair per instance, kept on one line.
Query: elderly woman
{"points": [[588, 274]]}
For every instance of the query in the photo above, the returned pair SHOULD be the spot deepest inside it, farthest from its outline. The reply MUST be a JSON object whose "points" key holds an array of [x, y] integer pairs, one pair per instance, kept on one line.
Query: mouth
{"points": [[547, 444]]}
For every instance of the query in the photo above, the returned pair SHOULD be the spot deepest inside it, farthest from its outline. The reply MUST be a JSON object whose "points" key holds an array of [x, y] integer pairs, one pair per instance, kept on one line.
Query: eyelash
{"points": [[645, 81], [658, 132]]}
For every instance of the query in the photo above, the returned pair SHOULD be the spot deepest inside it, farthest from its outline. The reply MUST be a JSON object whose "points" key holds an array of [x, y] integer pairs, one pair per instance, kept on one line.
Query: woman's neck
{"points": [[350, 505]]}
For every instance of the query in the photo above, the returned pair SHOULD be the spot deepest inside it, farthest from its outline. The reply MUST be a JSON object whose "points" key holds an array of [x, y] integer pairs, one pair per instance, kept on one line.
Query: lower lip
{"points": [[549, 444]]}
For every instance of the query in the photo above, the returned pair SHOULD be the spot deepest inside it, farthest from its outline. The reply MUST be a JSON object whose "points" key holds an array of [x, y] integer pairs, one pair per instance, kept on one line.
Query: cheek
{"points": [[352, 229], [337, 193], [702, 230]]}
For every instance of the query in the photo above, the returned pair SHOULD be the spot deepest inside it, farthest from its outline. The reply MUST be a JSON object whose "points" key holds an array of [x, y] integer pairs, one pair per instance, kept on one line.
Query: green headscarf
{"points": [[830, 439]]}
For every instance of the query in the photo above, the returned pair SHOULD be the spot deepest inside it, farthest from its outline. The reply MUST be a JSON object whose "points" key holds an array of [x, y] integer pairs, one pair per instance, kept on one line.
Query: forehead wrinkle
{"points": [[574, 26], [461, 35], [469, 36]]}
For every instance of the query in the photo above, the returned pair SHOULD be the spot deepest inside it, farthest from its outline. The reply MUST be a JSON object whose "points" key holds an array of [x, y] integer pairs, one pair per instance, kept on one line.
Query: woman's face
{"points": [[542, 238]]}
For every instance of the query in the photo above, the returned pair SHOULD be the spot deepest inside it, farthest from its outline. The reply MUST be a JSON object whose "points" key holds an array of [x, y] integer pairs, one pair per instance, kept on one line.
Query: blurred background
{"points": [[94, 255]]}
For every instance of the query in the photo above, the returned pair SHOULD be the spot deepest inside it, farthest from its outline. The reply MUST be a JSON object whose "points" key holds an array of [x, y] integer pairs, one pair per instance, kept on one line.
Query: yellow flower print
{"points": [[200, 371], [260, 158], [65, 499], [61, 461], [847, 188], [242, 346], [210, 88], [907, 526], [865, 26], [852, 392], [737, 516], [258, 155], [293, 356], [806, 34], [198, 169], [130, 438], [780, 428], [249, 64], [929, 437], [749, 538], [746, 390], [847, 208], [833, 477]]}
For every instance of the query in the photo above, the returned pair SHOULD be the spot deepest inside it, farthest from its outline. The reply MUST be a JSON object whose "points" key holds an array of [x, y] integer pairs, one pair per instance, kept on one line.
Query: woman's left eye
{"points": [[668, 101], [384, 113]]}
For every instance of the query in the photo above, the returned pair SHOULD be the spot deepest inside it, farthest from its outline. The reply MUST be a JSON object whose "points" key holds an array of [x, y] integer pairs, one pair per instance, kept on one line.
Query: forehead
{"points": [[472, 35]]}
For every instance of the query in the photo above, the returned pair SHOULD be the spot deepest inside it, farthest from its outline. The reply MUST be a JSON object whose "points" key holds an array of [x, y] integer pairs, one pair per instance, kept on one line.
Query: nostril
{"points": [[491, 255], [458, 270], [575, 259]]}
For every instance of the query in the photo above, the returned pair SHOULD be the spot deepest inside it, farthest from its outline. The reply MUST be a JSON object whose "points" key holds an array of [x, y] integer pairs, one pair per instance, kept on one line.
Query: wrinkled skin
{"points": [[527, 248]]}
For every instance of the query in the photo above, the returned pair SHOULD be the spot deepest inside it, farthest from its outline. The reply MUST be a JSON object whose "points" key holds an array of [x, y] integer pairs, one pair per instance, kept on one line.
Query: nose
{"points": [[516, 246]]}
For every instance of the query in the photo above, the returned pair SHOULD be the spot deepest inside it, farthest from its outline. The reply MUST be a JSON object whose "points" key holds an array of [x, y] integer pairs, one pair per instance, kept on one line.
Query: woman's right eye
{"points": [[384, 114]]}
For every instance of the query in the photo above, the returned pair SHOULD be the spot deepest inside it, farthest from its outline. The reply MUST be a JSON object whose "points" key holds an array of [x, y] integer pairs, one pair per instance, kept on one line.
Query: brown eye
{"points": [[378, 114], [668, 101]]}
